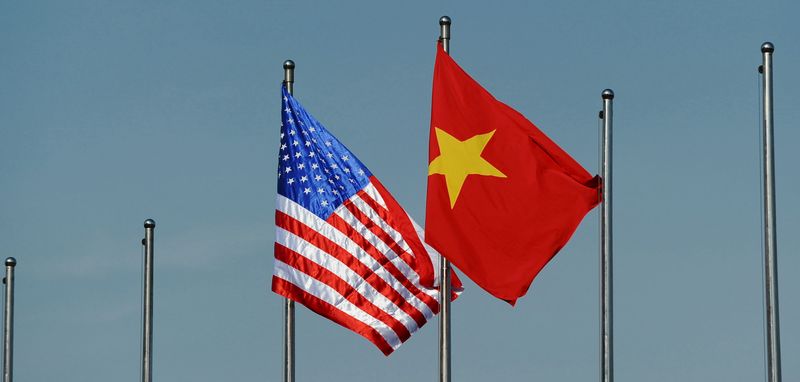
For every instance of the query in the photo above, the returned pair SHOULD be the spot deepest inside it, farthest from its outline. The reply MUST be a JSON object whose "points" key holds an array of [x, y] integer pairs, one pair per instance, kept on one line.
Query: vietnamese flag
{"points": [[503, 198]]}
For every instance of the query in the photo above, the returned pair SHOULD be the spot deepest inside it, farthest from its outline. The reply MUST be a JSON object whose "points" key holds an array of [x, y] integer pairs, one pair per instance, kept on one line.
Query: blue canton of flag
{"points": [[315, 170]]}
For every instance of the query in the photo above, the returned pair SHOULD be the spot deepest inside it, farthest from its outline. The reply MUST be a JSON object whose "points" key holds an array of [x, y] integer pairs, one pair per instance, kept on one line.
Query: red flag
{"points": [[503, 198]]}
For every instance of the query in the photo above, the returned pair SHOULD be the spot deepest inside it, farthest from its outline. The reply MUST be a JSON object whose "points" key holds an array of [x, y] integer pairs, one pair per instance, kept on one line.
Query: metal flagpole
{"points": [[147, 326], [770, 238], [606, 305], [444, 265], [288, 307], [8, 321]]}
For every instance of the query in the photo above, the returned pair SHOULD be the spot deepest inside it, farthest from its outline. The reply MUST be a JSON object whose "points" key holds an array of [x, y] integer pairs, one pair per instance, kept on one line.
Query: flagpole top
{"points": [[767, 47], [149, 223], [608, 94], [444, 32], [288, 64], [11, 262]]}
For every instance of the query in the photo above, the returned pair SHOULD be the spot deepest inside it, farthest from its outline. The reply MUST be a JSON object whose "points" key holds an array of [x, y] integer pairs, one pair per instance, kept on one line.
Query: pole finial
{"points": [[767, 47], [608, 94], [149, 223], [288, 75], [444, 32], [11, 262]]}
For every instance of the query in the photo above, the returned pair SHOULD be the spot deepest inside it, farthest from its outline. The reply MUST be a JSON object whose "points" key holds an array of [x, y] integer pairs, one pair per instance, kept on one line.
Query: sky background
{"points": [[114, 112]]}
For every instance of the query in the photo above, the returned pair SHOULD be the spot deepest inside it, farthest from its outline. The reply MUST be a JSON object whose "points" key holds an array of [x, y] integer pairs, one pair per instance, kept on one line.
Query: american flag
{"points": [[344, 247]]}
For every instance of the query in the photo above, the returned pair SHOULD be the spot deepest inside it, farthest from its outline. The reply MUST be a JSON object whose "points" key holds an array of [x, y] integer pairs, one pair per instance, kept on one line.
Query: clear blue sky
{"points": [[114, 112]]}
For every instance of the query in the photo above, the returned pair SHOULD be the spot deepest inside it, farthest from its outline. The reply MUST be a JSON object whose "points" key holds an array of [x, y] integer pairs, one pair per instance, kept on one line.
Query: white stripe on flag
{"points": [[373, 193], [331, 296], [432, 254], [327, 261], [404, 267], [373, 215], [398, 262], [373, 239], [299, 213]]}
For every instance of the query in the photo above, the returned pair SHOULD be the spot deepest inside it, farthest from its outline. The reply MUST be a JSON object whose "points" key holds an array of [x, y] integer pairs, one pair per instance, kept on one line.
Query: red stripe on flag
{"points": [[402, 223], [293, 292], [380, 233], [312, 269], [351, 261], [362, 242]]}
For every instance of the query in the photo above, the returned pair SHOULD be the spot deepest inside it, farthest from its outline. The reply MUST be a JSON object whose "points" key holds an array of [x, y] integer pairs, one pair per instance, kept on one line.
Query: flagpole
{"points": [[147, 326], [288, 306], [606, 303], [8, 321], [444, 265], [770, 237]]}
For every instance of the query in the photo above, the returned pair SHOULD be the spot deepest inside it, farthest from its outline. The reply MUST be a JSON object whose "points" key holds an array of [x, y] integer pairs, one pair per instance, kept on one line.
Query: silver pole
{"points": [[606, 304], [288, 306], [444, 265], [8, 321], [147, 327], [770, 239]]}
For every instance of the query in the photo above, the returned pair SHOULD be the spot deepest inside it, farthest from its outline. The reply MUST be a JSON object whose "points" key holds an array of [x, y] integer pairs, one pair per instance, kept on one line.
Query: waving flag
{"points": [[503, 198], [344, 247]]}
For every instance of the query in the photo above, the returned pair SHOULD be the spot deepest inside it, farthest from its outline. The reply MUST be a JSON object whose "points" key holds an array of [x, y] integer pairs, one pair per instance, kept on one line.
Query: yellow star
{"points": [[457, 159]]}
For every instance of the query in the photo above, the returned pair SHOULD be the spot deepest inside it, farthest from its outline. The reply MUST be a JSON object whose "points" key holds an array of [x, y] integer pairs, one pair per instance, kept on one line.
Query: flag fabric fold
{"points": [[344, 247], [502, 197]]}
